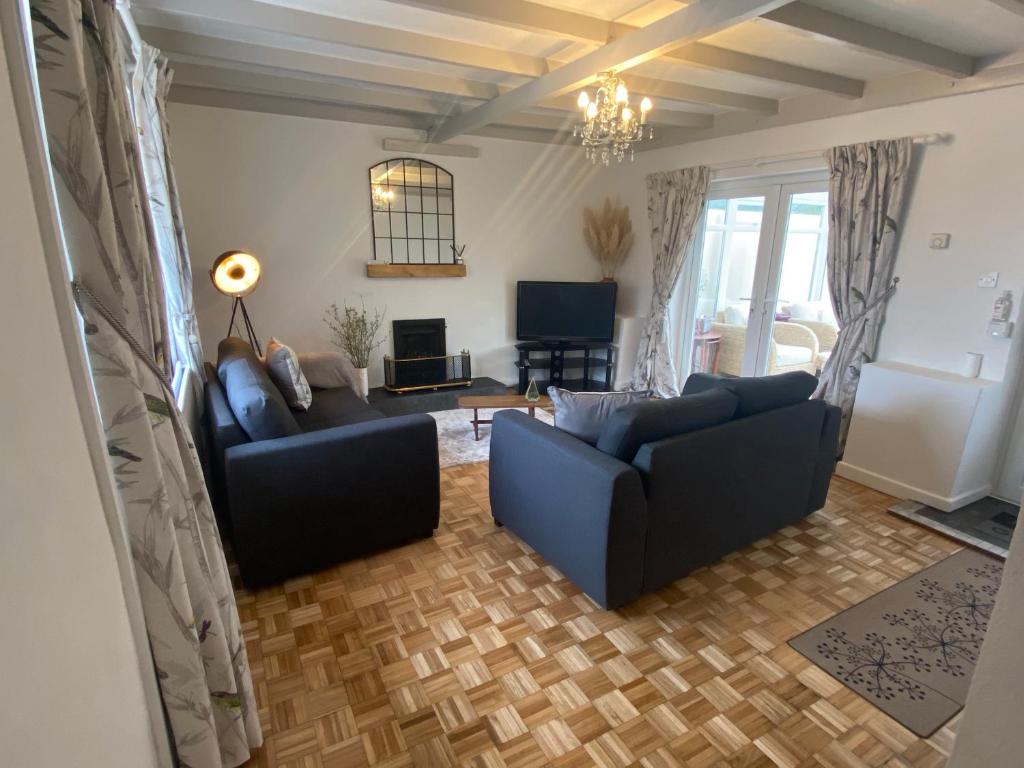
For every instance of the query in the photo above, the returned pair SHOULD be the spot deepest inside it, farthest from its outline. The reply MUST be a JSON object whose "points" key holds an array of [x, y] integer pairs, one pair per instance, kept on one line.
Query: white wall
{"points": [[989, 734], [295, 191], [71, 692], [971, 189]]}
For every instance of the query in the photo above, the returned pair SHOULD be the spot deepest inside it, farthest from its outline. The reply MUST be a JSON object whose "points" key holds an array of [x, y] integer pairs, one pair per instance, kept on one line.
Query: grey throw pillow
{"points": [[283, 366], [255, 400], [583, 414], [328, 370]]}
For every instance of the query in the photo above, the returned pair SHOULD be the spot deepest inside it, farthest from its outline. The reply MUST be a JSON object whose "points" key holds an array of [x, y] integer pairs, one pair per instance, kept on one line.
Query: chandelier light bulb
{"points": [[592, 110], [621, 94], [627, 114], [645, 104], [583, 100]]}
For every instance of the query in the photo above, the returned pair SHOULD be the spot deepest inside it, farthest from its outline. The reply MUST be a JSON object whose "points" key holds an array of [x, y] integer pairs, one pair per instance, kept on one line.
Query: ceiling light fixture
{"points": [[382, 197], [610, 127]]}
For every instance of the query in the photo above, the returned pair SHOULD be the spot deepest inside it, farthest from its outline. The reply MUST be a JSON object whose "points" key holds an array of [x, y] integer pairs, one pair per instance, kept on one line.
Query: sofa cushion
{"points": [[327, 370], [335, 407], [283, 367], [255, 400], [757, 394], [635, 424], [583, 414]]}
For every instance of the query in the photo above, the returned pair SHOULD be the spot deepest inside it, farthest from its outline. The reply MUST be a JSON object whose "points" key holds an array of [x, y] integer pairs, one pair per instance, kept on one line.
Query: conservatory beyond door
{"points": [[760, 296]]}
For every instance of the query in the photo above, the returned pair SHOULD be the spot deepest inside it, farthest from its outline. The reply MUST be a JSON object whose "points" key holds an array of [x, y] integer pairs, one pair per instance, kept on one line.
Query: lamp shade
{"points": [[235, 273]]}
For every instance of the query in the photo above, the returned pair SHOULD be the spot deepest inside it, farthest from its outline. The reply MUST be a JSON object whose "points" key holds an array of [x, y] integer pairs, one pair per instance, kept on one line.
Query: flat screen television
{"points": [[547, 311]]}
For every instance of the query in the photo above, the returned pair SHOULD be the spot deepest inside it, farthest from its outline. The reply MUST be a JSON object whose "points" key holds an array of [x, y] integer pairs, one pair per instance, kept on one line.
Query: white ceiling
{"points": [[421, 61]]}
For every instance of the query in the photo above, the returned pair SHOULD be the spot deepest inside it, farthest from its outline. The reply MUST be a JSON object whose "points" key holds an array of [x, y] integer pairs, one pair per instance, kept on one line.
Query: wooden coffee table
{"points": [[476, 402]]}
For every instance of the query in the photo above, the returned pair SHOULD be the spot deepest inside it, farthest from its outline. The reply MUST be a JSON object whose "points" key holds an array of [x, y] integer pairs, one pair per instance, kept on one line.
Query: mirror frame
{"points": [[443, 258]]}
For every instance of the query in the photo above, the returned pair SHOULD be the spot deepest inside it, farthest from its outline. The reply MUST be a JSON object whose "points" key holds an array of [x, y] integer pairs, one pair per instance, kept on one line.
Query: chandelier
{"points": [[610, 127], [381, 197]]}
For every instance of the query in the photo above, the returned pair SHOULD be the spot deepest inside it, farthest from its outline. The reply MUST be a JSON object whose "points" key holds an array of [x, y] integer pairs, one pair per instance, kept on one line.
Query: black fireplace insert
{"points": [[421, 359]]}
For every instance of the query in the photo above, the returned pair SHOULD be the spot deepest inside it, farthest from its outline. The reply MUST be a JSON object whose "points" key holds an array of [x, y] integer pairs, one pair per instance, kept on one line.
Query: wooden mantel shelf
{"points": [[415, 270]]}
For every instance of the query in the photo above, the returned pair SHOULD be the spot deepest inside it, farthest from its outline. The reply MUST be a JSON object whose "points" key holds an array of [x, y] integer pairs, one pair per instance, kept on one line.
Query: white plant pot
{"points": [[363, 377]]}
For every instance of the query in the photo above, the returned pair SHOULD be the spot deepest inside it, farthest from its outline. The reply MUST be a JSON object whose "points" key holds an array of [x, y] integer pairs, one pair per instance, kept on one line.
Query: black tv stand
{"points": [[570, 365]]}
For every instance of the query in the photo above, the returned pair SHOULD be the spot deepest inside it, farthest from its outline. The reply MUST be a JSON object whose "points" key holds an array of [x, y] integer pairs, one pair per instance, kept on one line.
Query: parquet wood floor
{"points": [[468, 649]]}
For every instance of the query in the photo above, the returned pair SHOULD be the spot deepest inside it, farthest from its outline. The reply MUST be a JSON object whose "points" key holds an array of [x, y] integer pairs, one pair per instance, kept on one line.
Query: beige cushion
{"points": [[283, 366], [788, 354], [327, 370]]}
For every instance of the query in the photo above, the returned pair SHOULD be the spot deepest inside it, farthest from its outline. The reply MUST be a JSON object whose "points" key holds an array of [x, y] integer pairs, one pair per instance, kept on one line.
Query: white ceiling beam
{"points": [[226, 78], [701, 19], [1013, 6], [194, 17], [219, 48], [320, 26], [190, 48], [868, 38], [291, 106], [726, 60], [570, 25]]}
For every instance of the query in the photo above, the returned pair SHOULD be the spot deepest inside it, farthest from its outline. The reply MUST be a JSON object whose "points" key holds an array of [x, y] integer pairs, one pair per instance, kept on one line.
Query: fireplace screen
{"points": [[421, 360]]}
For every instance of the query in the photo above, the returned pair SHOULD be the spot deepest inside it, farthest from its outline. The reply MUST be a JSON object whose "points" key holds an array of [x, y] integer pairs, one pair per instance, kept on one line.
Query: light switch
{"points": [[988, 280], [939, 241]]}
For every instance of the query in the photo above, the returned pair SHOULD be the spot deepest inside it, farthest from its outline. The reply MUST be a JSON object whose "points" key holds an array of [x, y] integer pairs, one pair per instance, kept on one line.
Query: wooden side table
{"points": [[476, 402], [706, 347]]}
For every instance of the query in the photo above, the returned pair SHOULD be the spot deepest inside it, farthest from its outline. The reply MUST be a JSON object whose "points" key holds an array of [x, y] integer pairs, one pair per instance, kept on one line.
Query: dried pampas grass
{"points": [[609, 235]]}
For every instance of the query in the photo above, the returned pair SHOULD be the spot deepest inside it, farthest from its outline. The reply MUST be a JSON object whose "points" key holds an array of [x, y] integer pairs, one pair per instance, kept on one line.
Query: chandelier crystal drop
{"points": [[610, 127]]}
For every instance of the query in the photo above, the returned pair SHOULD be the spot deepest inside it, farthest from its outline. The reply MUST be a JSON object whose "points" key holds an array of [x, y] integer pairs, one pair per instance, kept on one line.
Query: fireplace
{"points": [[421, 360], [418, 338]]}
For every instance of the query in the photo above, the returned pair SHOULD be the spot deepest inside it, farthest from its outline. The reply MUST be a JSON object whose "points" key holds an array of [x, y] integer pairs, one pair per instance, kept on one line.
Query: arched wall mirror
{"points": [[413, 205]]}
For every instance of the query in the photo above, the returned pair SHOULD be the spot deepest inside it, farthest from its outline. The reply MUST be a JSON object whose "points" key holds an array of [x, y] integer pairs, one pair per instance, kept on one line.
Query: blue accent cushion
{"points": [[639, 423], [757, 394], [583, 414], [255, 400]]}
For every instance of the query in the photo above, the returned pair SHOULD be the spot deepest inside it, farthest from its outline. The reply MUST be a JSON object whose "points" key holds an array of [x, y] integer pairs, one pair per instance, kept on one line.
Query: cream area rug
{"points": [[455, 435]]}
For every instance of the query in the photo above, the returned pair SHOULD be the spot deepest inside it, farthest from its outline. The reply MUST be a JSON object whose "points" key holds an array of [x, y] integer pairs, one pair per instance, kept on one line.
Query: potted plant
{"points": [[609, 235], [357, 333]]}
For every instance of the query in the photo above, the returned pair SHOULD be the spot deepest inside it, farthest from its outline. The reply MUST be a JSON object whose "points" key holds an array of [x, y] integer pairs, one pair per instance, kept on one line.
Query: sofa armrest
{"points": [[308, 501], [582, 510]]}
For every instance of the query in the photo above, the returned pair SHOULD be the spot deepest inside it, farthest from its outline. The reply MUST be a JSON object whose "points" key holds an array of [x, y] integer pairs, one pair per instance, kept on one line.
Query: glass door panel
{"points": [[798, 328], [731, 246]]}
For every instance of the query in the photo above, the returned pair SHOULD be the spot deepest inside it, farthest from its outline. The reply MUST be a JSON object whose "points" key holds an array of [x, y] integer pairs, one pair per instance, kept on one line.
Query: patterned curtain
{"points": [[865, 199], [675, 203], [189, 607], [164, 211]]}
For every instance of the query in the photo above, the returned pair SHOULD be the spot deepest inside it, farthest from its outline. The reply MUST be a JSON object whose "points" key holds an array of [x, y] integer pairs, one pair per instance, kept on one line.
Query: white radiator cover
{"points": [[925, 435]]}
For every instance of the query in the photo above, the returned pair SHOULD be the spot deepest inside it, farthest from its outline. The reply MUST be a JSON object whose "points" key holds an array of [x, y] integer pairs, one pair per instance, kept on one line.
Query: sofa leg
{"points": [[498, 523]]}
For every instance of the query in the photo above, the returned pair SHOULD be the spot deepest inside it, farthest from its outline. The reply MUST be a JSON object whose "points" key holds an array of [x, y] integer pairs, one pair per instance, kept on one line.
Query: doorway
{"points": [[760, 295]]}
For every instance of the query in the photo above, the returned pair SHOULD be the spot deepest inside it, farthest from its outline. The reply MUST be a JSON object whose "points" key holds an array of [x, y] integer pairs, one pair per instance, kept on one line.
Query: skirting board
{"points": [[905, 491]]}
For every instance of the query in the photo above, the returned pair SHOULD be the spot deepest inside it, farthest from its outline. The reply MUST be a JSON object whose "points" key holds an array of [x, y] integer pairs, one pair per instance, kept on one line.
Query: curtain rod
{"points": [[756, 162]]}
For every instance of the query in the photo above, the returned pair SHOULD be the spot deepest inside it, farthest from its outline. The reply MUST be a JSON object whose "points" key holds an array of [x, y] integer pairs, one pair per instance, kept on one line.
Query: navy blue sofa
{"points": [[671, 485], [313, 488]]}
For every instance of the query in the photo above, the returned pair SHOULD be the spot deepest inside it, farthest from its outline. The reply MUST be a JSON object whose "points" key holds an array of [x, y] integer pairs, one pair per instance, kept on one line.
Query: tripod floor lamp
{"points": [[235, 274]]}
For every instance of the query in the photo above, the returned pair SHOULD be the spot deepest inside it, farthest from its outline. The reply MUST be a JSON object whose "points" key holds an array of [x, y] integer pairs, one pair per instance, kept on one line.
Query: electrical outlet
{"points": [[988, 280], [939, 241]]}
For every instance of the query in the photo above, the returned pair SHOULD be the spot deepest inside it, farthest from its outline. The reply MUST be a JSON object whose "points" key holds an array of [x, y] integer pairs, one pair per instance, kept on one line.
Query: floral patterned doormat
{"points": [[911, 649]]}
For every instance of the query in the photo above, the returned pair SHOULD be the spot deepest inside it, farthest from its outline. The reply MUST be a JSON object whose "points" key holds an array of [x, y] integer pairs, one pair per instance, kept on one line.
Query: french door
{"points": [[760, 301]]}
